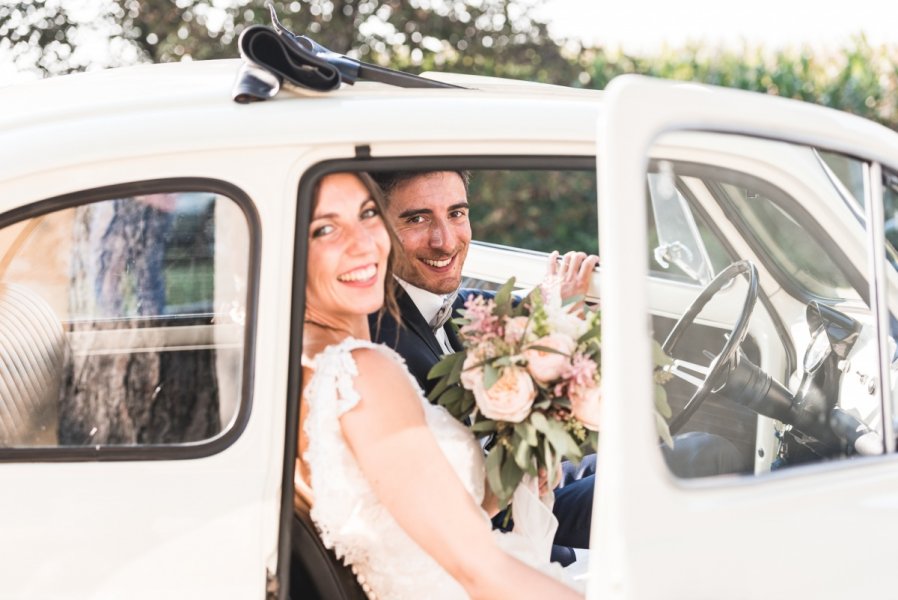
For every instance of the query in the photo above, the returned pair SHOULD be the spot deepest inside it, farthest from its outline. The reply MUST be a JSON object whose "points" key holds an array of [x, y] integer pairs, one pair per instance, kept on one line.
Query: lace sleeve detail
{"points": [[337, 367], [344, 520]]}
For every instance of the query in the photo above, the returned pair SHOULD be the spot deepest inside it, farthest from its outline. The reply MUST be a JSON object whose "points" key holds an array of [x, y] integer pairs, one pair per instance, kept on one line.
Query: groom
{"points": [[429, 213]]}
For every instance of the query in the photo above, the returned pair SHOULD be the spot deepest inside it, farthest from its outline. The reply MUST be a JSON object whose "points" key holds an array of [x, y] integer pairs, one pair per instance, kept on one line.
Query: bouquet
{"points": [[529, 378]]}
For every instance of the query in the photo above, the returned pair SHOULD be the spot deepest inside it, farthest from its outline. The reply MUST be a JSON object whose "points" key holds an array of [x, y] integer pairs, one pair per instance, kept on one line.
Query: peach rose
{"points": [[548, 366], [471, 375], [587, 404], [515, 329], [509, 398]]}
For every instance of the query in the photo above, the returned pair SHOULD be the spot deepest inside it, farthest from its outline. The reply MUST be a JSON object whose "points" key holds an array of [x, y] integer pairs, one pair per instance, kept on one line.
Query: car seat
{"points": [[315, 571], [32, 344]]}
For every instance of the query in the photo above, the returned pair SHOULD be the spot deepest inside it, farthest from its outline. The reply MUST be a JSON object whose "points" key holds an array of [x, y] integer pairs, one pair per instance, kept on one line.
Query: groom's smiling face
{"points": [[430, 216]]}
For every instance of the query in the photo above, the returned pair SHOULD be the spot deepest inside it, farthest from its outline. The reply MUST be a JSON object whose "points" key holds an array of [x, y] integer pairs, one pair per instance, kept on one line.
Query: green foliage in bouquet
{"points": [[529, 378]]}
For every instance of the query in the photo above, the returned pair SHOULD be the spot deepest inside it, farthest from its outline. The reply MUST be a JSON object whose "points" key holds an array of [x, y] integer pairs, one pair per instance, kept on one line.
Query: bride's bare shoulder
{"points": [[382, 376], [375, 364]]}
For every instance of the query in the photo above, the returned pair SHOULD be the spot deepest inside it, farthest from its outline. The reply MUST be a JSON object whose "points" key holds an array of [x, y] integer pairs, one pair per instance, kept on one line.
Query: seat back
{"points": [[315, 572], [32, 344]]}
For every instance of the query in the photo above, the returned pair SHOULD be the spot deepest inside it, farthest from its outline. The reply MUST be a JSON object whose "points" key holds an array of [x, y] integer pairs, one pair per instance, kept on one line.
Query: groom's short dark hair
{"points": [[390, 180]]}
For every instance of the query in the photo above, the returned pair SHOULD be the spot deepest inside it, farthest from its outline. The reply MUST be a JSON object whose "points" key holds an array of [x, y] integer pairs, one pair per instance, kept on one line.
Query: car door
{"points": [[134, 460], [823, 526]]}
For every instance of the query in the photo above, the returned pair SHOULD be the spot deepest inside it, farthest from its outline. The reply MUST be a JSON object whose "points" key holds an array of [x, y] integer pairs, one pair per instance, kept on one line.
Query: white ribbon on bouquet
{"points": [[533, 517]]}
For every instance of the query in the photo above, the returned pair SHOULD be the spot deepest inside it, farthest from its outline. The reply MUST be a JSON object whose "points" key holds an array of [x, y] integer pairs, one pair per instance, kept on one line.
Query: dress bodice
{"points": [[350, 518]]}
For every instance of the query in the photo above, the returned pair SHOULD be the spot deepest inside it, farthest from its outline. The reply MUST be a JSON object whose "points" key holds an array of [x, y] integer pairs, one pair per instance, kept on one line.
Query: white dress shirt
{"points": [[428, 305]]}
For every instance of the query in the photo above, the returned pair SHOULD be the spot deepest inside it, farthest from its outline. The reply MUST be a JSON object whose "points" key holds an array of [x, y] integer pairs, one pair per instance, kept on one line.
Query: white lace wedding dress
{"points": [[349, 516]]}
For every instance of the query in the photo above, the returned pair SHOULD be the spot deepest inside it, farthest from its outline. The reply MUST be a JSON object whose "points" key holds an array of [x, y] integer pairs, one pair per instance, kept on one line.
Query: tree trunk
{"points": [[129, 395]]}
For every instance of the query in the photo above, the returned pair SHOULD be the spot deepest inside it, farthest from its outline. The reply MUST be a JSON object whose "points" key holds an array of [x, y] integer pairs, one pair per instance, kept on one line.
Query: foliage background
{"points": [[488, 37], [484, 37]]}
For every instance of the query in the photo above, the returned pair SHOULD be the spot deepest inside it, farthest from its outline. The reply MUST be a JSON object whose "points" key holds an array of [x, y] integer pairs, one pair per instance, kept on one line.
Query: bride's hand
{"points": [[574, 274], [543, 479]]}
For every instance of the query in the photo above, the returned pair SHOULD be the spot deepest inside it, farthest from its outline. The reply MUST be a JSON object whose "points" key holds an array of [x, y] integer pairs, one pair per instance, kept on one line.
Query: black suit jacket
{"points": [[415, 341]]}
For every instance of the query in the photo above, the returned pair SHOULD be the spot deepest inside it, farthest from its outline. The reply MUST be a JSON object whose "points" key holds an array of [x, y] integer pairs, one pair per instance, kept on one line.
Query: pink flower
{"points": [[586, 403], [583, 371], [509, 398], [483, 322], [515, 328], [471, 375], [547, 366]]}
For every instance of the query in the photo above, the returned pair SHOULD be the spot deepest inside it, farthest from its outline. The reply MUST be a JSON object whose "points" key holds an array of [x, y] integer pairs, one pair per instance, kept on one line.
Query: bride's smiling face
{"points": [[348, 250]]}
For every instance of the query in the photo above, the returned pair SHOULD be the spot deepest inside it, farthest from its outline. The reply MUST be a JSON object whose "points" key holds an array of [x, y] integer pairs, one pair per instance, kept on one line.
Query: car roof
{"points": [[189, 104]]}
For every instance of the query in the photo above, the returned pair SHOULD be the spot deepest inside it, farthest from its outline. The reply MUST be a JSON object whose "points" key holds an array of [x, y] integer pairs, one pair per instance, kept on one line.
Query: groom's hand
{"points": [[574, 272]]}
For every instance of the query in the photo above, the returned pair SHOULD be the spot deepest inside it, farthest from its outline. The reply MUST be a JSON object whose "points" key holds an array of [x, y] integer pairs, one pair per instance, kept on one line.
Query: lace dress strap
{"points": [[336, 367], [344, 520]]}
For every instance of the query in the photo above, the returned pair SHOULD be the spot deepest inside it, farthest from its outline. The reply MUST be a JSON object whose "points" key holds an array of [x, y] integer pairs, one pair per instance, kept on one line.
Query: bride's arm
{"points": [[490, 504], [398, 455]]}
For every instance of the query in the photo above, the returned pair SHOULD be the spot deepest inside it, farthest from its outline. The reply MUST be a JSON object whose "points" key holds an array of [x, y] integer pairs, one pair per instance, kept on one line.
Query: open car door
{"points": [[816, 517]]}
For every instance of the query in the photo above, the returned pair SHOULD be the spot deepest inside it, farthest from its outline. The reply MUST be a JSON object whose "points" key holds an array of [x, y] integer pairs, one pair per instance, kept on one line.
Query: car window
{"points": [[545, 210], [798, 384], [797, 253], [542, 210], [124, 321]]}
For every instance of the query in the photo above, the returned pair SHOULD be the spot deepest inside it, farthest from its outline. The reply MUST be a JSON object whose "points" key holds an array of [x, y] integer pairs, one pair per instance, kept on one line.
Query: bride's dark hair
{"points": [[390, 305]]}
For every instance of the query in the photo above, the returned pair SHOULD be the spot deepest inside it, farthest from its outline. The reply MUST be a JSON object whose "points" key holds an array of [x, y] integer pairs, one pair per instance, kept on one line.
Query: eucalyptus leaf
{"points": [[503, 296], [658, 356], [493, 465], [527, 432], [490, 375], [546, 349], [451, 399], [549, 455], [538, 420], [560, 438], [485, 426], [510, 475], [592, 333], [523, 453], [592, 439], [453, 375], [445, 365], [663, 430], [467, 403], [438, 389], [661, 404]]}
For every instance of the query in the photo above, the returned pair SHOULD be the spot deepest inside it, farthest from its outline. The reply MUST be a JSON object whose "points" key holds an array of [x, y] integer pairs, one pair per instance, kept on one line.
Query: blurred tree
{"points": [[858, 78], [37, 35], [481, 36], [487, 37]]}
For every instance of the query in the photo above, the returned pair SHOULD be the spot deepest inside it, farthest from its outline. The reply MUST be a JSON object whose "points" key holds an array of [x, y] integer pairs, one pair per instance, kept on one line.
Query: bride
{"points": [[395, 485]]}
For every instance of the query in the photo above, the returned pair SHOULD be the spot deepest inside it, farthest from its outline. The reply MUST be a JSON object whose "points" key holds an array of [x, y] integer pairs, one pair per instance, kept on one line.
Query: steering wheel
{"points": [[705, 378]]}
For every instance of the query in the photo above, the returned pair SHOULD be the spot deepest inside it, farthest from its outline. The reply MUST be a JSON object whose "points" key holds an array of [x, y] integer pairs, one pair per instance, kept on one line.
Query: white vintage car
{"points": [[152, 236]]}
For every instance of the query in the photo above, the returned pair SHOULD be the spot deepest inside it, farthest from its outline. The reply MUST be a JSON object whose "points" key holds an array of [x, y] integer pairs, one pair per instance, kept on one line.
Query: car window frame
{"points": [[361, 162], [791, 207], [237, 425]]}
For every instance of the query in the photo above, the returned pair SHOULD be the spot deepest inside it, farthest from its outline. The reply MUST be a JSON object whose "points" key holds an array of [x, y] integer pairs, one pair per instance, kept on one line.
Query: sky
{"points": [[640, 26]]}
